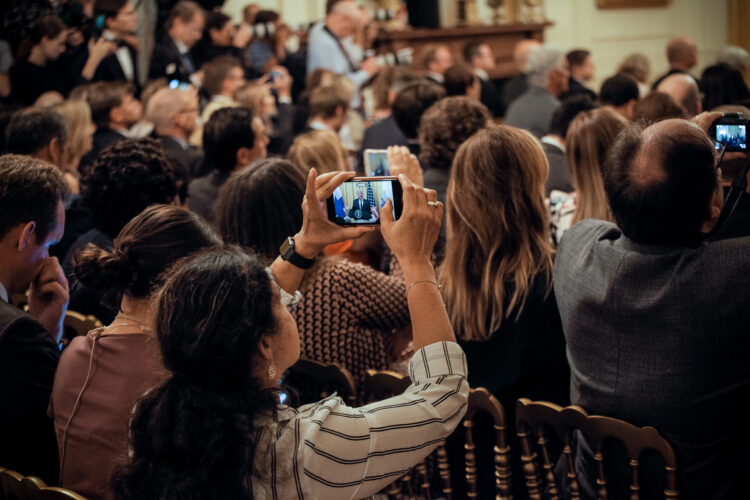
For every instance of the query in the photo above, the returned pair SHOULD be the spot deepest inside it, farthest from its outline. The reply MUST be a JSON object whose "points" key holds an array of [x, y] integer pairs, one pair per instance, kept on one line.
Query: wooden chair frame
{"points": [[532, 420], [325, 376], [14, 486]]}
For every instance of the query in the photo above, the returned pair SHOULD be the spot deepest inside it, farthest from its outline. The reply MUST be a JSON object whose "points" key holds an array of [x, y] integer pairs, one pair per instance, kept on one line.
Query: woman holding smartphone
{"points": [[215, 428]]}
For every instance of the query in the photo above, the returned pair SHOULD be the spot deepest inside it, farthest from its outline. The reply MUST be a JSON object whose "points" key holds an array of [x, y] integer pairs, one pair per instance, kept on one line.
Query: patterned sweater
{"points": [[347, 314]]}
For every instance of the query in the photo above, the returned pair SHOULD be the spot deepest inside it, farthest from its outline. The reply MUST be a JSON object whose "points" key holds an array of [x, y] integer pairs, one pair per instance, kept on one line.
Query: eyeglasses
{"points": [[719, 149]]}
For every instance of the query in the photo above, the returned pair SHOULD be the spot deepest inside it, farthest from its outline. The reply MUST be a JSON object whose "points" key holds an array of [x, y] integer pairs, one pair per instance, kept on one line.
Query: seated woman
{"points": [[102, 375], [586, 145], [215, 428], [258, 208], [497, 276]]}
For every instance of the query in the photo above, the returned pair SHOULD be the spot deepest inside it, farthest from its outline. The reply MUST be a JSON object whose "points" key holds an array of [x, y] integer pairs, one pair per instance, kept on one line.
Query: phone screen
{"points": [[359, 200], [376, 162], [734, 136]]}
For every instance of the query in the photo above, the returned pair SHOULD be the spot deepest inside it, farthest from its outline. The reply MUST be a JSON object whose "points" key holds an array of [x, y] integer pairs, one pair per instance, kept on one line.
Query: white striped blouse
{"points": [[328, 450]]}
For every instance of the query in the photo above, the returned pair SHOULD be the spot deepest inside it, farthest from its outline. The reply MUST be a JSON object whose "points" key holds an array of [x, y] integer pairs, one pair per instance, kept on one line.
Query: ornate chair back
{"points": [[76, 324], [313, 381], [14, 486]]}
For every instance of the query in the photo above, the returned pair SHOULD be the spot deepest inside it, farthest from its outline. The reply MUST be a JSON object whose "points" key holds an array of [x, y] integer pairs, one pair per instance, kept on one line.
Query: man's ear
{"points": [[27, 233], [55, 151], [714, 210], [244, 156], [115, 114]]}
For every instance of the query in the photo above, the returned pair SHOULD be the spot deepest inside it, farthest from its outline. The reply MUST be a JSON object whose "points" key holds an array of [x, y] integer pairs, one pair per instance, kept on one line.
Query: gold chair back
{"points": [[533, 418], [76, 324], [14, 486], [313, 381]]}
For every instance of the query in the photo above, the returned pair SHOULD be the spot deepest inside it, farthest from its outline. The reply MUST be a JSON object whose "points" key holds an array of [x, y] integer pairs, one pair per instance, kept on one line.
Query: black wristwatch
{"points": [[290, 255]]}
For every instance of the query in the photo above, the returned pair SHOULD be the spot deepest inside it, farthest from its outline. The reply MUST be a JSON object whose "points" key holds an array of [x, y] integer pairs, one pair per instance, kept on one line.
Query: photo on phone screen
{"points": [[734, 136], [376, 162], [358, 201]]}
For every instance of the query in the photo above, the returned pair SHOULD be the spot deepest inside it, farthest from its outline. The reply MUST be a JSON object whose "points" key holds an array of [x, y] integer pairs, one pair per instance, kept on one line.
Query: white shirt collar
{"points": [[181, 47], [482, 74], [436, 76], [318, 125], [553, 141], [3, 293]]}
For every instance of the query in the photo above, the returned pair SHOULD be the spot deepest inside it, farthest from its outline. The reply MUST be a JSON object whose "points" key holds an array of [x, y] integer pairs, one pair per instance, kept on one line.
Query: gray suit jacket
{"points": [[559, 175], [660, 336], [532, 111]]}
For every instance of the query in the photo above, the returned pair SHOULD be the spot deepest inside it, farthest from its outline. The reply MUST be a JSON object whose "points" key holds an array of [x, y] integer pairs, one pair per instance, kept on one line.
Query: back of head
{"points": [[655, 107], [30, 190], [498, 233], [251, 96], [660, 181], [540, 62], [146, 247], [618, 90], [637, 66], [682, 52], [102, 97], [458, 79], [589, 137], [321, 77], [228, 130], [193, 437], [684, 90], [577, 57], [412, 102], [566, 113], [214, 21], [185, 11], [261, 205], [521, 52], [318, 149], [216, 71], [446, 125], [32, 129], [326, 101], [77, 114], [734, 56], [164, 106], [126, 178], [722, 84]]}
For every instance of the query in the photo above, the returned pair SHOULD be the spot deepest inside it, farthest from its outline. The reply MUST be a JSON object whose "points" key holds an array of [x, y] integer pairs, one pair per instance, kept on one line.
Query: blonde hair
{"points": [[251, 96], [498, 230], [586, 144], [78, 115], [319, 149]]}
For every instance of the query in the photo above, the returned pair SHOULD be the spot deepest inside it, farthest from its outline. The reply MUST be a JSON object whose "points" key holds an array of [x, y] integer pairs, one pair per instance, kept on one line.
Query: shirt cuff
{"points": [[436, 360], [285, 100]]}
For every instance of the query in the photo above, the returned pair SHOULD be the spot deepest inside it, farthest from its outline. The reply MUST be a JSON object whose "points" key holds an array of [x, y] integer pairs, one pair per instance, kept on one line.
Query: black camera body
{"points": [[731, 130]]}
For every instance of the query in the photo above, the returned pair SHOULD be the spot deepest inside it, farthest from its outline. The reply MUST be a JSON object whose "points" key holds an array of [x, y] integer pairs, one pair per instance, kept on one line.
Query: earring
{"points": [[272, 372]]}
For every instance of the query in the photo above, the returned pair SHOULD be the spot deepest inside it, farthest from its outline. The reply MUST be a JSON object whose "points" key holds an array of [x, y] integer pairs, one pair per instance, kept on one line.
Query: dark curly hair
{"points": [[144, 249], [126, 178], [446, 125], [193, 437]]}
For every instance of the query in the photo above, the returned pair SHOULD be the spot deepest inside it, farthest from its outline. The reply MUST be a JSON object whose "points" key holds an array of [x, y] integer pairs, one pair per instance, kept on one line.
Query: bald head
{"points": [[521, 52], [661, 181], [682, 53], [684, 90]]}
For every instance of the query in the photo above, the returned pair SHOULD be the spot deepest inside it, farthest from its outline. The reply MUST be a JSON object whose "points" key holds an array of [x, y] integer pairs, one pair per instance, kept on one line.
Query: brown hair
{"points": [[446, 125], [184, 10], [324, 101], [103, 96], [216, 71], [458, 79], [495, 251], [319, 149], [588, 139], [637, 66], [655, 107]]}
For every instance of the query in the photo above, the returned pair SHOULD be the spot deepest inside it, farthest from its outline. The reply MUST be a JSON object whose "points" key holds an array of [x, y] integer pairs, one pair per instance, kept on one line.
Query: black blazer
{"points": [[109, 70], [366, 211], [28, 359], [490, 97], [577, 88], [166, 62], [190, 159], [103, 137]]}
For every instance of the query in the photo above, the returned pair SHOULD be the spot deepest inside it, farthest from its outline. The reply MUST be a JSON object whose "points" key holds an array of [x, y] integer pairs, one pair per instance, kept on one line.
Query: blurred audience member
{"points": [[232, 139], [480, 57], [268, 46], [582, 69], [328, 109], [408, 107], [48, 99], [435, 59], [81, 129], [174, 113], [682, 55], [684, 90], [655, 107], [171, 58], [318, 149], [547, 70], [218, 38], [517, 85], [460, 80], [32, 219], [638, 67], [723, 84], [92, 431], [734, 56], [119, 20], [553, 143], [620, 92], [39, 133]]}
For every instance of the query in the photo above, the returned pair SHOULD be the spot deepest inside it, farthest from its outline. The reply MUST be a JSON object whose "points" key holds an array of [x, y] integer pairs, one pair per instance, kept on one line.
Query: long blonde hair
{"points": [[319, 149], [498, 230], [586, 144], [78, 115]]}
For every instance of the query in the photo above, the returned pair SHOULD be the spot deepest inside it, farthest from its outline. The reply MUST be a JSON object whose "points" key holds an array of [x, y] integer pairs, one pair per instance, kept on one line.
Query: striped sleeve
{"points": [[355, 452]]}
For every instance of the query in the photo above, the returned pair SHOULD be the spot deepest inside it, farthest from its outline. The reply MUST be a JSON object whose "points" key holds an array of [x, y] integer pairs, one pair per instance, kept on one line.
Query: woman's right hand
{"points": [[412, 237]]}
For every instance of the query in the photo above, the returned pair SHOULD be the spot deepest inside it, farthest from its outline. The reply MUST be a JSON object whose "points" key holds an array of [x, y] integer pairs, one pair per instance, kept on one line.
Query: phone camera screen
{"points": [[734, 136], [359, 202]]}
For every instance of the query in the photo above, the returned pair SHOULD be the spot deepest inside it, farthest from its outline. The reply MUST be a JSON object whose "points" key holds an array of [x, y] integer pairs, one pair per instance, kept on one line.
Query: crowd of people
{"points": [[557, 242]]}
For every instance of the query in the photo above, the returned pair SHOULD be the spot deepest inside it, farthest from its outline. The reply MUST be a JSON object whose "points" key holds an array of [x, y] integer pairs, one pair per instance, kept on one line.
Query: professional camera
{"points": [[730, 130]]}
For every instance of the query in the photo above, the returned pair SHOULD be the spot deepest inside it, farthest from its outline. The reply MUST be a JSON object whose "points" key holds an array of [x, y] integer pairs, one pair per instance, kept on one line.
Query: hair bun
{"points": [[100, 269]]}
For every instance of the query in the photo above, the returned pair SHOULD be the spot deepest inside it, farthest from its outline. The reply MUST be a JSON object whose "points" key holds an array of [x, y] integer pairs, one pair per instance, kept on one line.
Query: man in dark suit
{"points": [[408, 107], [120, 20], [171, 58], [174, 113], [656, 318], [581, 71], [482, 60], [32, 218], [360, 209], [114, 110]]}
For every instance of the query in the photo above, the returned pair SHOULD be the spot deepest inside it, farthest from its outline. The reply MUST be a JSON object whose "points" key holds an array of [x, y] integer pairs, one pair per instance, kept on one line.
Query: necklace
{"points": [[135, 322]]}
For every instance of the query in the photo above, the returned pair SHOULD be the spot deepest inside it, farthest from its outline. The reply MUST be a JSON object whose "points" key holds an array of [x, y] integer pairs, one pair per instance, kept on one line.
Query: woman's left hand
{"points": [[317, 231]]}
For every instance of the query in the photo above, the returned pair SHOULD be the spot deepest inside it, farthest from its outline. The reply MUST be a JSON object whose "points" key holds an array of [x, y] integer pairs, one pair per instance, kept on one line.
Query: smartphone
{"points": [[358, 201], [273, 76], [376, 162], [177, 84], [731, 130]]}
